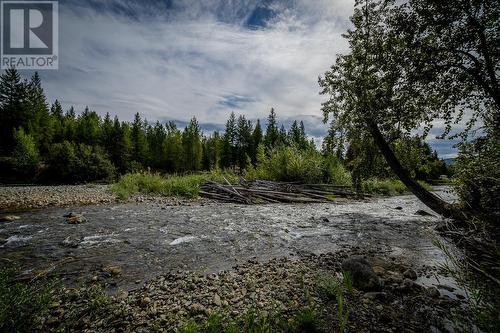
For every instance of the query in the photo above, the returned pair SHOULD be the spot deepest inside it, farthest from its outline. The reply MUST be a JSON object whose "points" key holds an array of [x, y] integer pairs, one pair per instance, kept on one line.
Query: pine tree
{"points": [[229, 142], [40, 124], [57, 115], [139, 142], [192, 146], [282, 137], [257, 139], [243, 141], [155, 137], [272, 132], [172, 148], [13, 108]]}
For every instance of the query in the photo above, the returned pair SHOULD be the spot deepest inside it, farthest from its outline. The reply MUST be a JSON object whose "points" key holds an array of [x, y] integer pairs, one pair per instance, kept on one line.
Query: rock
{"points": [[9, 218], [362, 274], [72, 218], [325, 219], [375, 295], [70, 242], [217, 300], [145, 302], [197, 308], [433, 292], [422, 212], [379, 270], [409, 285], [113, 270], [410, 274]]}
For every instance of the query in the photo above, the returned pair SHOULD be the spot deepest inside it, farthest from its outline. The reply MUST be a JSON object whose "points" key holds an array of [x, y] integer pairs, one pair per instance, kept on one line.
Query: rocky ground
{"points": [[280, 288], [18, 198]]}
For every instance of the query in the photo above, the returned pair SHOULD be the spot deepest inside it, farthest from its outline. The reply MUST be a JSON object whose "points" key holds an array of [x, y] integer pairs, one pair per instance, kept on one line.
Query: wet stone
{"points": [[362, 274]]}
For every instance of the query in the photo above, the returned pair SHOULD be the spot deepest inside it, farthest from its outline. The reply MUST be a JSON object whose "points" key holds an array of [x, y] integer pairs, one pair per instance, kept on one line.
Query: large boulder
{"points": [[362, 274]]}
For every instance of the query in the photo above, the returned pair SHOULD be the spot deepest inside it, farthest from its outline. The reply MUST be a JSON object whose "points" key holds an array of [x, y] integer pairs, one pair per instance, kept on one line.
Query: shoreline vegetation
{"points": [[188, 186]]}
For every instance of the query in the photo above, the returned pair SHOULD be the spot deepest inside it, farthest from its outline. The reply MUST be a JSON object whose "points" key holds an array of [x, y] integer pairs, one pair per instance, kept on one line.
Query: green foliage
{"points": [[187, 186], [289, 163], [388, 186], [305, 320], [94, 303], [477, 176], [23, 306], [25, 154], [69, 162], [334, 288]]}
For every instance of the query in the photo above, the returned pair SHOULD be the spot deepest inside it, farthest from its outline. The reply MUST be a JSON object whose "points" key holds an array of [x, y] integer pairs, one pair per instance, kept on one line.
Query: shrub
{"points": [[477, 176], [69, 162], [25, 154], [294, 164]]}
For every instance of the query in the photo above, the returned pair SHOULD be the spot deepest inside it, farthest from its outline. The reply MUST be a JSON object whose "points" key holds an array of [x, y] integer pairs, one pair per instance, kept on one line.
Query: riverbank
{"points": [[23, 198], [283, 295]]}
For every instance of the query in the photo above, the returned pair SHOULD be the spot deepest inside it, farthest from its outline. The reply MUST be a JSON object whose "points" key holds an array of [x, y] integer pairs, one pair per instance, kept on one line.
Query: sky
{"points": [[175, 59]]}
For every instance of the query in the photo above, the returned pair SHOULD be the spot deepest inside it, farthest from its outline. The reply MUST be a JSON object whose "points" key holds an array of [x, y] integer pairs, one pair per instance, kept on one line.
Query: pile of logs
{"points": [[263, 191]]}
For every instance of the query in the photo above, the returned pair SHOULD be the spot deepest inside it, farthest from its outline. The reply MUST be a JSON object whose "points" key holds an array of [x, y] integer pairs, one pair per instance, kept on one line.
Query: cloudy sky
{"points": [[175, 59]]}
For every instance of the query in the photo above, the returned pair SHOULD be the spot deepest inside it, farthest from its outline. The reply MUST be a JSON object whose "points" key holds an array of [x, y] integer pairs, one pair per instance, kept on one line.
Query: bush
{"points": [[293, 164], [477, 176], [23, 306], [25, 154], [69, 162]]}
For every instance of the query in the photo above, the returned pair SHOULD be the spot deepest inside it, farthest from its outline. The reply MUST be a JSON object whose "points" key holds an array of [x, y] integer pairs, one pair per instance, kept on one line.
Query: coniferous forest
{"points": [[44, 143]]}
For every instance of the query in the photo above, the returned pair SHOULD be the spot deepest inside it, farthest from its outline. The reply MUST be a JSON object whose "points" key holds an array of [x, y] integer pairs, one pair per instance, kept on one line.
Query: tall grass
{"points": [[23, 306], [187, 186]]}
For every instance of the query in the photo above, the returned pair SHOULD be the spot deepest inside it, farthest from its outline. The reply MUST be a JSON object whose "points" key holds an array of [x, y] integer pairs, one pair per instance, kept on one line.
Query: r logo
{"points": [[29, 28]]}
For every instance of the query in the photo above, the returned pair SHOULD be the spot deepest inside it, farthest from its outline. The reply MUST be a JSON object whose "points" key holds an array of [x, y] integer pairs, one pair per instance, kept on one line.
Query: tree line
{"points": [[47, 143], [86, 146]]}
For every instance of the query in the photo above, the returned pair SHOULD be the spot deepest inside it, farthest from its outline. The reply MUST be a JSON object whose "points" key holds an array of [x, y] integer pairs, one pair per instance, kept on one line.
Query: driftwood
{"points": [[263, 191]]}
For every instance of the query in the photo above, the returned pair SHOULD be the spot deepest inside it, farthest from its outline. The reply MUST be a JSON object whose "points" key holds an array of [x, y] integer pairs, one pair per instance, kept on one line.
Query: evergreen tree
{"points": [[229, 142], [192, 147], [139, 142], [13, 109], [57, 115], [272, 133], [40, 124], [121, 148], [155, 137], [172, 148], [88, 128], [282, 137], [243, 141], [257, 139]]}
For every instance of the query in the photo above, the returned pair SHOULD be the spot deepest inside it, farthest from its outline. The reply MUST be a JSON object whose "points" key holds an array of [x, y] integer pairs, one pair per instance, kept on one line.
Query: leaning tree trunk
{"points": [[429, 199]]}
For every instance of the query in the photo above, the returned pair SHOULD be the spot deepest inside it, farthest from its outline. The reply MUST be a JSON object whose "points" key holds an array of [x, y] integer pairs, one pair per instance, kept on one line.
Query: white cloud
{"points": [[177, 67]]}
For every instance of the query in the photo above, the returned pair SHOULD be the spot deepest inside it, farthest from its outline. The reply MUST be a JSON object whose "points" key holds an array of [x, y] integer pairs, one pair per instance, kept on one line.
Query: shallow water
{"points": [[148, 239]]}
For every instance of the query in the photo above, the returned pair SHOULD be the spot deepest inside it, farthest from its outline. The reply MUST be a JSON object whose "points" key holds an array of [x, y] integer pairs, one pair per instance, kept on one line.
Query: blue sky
{"points": [[175, 59]]}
